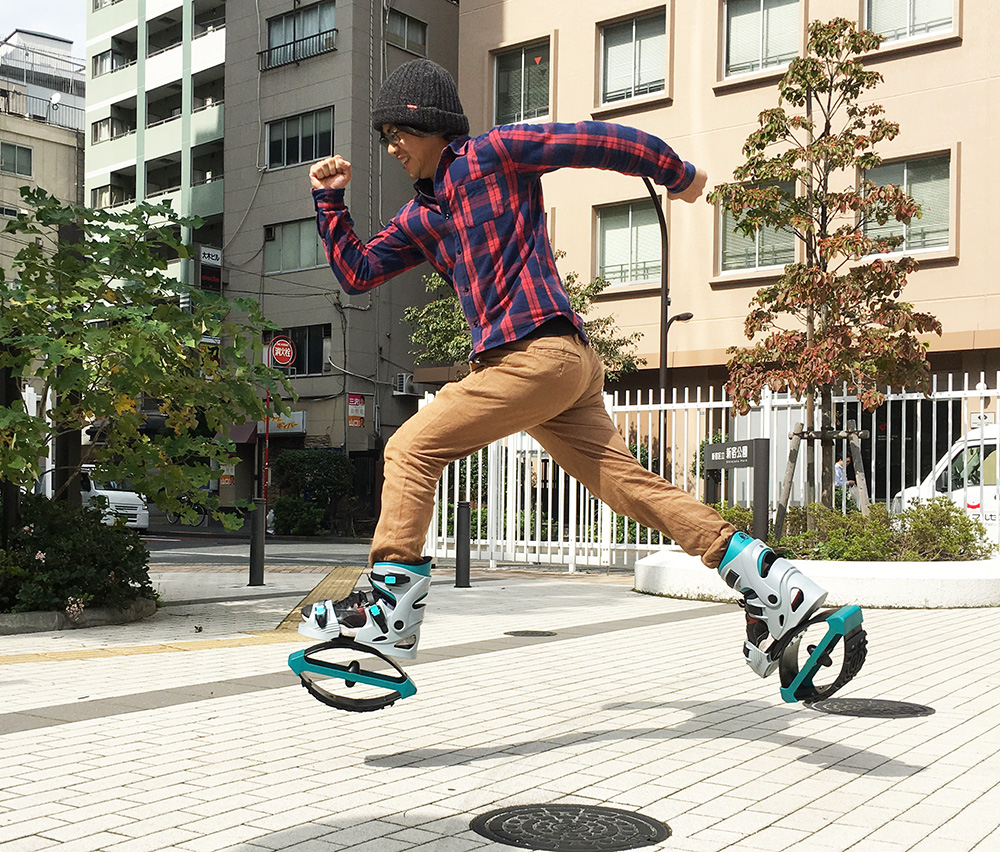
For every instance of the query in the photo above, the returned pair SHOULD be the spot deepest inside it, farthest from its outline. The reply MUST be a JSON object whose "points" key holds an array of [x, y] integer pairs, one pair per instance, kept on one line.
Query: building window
{"points": [[111, 60], [312, 348], [110, 195], [308, 31], [629, 243], [406, 32], [300, 138], [15, 159], [522, 83], [8, 212], [766, 247], [927, 181], [109, 128], [635, 58], [900, 19], [291, 246], [760, 34]]}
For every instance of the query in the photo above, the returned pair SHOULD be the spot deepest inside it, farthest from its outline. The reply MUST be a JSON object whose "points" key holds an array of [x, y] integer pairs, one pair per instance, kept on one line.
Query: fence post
{"points": [[786, 485], [463, 532], [258, 523]]}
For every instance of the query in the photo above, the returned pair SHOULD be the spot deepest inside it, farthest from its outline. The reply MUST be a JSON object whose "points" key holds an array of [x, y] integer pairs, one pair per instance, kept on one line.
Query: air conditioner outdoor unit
{"points": [[404, 385]]}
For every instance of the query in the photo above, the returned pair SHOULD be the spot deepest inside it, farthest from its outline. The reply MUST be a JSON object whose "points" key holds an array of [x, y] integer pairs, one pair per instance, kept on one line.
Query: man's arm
{"points": [[599, 145], [358, 266]]}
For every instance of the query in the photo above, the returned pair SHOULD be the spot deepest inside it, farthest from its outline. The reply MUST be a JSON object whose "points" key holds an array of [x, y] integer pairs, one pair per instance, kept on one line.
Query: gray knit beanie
{"points": [[422, 95]]}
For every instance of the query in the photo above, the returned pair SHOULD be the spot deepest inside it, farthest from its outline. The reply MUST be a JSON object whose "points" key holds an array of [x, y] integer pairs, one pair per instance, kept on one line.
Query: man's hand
{"points": [[694, 189], [332, 173]]}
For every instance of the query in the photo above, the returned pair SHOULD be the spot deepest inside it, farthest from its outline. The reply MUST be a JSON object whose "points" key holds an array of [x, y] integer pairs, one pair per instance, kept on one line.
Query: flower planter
{"points": [[40, 622], [906, 585]]}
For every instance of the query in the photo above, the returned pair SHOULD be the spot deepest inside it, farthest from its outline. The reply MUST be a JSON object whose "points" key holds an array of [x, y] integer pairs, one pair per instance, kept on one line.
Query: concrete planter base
{"points": [[905, 585], [41, 622]]}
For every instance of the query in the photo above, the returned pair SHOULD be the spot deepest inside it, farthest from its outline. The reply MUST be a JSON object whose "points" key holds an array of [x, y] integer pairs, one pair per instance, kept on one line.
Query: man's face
{"points": [[419, 155]]}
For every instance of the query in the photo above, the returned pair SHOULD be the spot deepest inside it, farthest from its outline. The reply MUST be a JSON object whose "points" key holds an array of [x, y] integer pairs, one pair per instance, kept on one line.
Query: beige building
{"points": [[41, 123], [697, 74]]}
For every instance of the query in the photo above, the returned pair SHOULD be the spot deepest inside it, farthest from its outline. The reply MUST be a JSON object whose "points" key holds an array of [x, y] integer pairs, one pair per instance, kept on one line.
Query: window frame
{"points": [[19, 151], [635, 21], [522, 48], [406, 43], [301, 336], [758, 269], [279, 230], [762, 70], [296, 48], [910, 37], [317, 152], [949, 249], [654, 272]]}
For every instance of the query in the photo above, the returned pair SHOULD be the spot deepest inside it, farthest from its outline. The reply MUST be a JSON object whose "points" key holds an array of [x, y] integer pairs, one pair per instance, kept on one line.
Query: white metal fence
{"points": [[525, 509]]}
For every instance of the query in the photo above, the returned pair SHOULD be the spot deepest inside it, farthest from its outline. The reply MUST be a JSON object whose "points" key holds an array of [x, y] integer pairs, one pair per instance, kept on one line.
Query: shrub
{"points": [[932, 531], [940, 530], [936, 530], [322, 476], [294, 516], [61, 556]]}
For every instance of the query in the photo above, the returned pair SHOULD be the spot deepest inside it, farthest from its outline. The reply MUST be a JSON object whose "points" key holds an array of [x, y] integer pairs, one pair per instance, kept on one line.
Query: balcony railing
{"points": [[42, 109], [296, 51]]}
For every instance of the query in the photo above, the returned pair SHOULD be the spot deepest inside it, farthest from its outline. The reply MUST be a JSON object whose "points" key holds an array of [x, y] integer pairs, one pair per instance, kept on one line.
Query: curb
{"points": [[44, 622], [890, 585]]}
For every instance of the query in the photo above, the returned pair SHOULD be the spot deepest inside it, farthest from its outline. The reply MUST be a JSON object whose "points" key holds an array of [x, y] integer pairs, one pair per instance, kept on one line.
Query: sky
{"points": [[63, 18]]}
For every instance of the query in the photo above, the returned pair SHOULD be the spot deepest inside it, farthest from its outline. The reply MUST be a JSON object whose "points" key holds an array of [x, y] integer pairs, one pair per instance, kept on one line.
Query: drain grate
{"points": [[529, 633], [569, 828], [871, 708]]}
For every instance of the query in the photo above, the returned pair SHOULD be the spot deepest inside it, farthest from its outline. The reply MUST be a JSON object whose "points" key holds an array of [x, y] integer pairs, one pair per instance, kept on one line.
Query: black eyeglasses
{"points": [[393, 137]]}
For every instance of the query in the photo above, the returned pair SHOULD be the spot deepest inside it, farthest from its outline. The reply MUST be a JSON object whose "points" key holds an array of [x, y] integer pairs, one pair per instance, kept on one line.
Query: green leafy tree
{"points": [[100, 324], [321, 476], [835, 317], [440, 330]]}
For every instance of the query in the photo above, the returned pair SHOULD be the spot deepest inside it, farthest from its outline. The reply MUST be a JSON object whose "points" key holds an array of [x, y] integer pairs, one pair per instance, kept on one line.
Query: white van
{"points": [[968, 473], [122, 503]]}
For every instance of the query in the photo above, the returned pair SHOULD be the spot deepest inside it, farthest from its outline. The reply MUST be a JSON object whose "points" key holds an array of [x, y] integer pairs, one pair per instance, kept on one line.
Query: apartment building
{"points": [[301, 81], [698, 74], [155, 87], [41, 124], [182, 92]]}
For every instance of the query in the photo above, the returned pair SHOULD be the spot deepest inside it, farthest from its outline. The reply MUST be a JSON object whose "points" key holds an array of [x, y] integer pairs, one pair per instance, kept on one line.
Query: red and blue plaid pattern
{"points": [[483, 228]]}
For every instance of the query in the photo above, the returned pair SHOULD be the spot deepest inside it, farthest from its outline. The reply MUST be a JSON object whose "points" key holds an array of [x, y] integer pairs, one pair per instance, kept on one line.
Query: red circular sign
{"points": [[282, 351]]}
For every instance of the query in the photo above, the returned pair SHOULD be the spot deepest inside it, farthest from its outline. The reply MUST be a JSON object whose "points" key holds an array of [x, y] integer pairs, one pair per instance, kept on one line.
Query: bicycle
{"points": [[201, 514]]}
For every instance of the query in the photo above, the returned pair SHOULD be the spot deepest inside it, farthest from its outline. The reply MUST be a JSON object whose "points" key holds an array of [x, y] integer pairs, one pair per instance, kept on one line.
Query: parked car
{"points": [[122, 502], [968, 473]]}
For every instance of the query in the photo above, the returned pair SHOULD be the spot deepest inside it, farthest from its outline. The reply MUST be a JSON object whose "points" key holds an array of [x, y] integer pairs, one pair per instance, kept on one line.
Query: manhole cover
{"points": [[529, 633], [569, 828], [871, 707]]}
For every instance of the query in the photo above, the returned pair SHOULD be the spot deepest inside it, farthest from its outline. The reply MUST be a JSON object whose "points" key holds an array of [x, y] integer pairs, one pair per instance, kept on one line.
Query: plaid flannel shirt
{"points": [[483, 228]]}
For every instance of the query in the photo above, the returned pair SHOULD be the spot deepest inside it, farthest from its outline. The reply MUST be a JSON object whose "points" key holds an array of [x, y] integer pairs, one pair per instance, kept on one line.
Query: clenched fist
{"points": [[332, 173], [694, 189]]}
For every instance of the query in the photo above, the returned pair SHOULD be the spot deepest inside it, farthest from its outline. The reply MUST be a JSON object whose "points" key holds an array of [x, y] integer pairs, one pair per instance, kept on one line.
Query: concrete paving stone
{"points": [[220, 840], [446, 844], [36, 843], [18, 830], [283, 838], [86, 827], [381, 845]]}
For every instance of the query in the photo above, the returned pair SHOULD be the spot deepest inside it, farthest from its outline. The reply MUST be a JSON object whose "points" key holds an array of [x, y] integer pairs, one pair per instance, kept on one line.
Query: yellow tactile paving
{"points": [[339, 583]]}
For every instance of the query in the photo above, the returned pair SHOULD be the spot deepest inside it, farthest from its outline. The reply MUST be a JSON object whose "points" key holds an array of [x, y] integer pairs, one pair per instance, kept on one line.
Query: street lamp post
{"points": [[665, 319]]}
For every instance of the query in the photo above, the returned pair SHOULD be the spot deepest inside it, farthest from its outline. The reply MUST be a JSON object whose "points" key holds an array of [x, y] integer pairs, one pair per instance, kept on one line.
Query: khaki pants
{"points": [[550, 387]]}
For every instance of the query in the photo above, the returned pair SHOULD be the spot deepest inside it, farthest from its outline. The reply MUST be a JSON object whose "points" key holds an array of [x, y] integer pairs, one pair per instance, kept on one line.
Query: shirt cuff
{"points": [[684, 182], [329, 197]]}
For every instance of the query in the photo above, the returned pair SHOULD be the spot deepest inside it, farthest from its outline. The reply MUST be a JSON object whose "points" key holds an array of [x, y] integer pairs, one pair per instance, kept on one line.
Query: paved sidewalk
{"points": [[187, 733]]}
